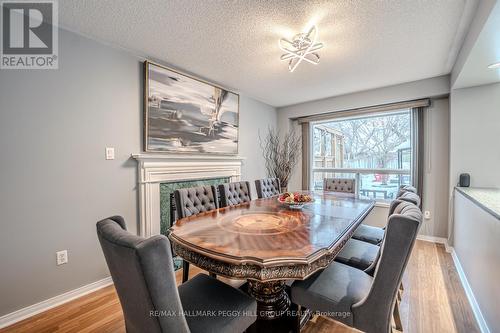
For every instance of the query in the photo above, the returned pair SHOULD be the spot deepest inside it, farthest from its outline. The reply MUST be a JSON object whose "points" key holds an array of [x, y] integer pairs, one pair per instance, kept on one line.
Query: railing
{"points": [[383, 185]]}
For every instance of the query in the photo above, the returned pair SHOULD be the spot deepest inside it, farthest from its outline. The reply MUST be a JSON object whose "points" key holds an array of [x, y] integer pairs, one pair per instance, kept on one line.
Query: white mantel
{"points": [[154, 169]]}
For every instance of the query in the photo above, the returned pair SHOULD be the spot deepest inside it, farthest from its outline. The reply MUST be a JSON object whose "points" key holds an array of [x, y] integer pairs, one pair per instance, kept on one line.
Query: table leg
{"points": [[272, 299]]}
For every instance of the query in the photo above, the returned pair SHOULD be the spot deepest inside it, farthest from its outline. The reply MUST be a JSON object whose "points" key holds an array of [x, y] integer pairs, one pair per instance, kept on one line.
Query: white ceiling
{"points": [[368, 44], [486, 51]]}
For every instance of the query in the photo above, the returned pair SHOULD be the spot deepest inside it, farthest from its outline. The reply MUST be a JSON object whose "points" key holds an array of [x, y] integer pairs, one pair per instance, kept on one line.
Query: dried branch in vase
{"points": [[280, 153]]}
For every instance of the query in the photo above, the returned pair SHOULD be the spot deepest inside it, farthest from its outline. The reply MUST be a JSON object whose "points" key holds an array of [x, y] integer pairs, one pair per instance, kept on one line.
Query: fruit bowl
{"points": [[295, 200]]}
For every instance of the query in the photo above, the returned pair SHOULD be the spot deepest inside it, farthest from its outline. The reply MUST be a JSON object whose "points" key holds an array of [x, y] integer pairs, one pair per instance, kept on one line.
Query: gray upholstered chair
{"points": [[374, 235], [267, 187], [410, 197], [359, 254], [406, 188], [369, 234], [144, 278], [363, 255], [192, 201], [344, 185], [195, 200], [354, 297], [234, 193]]}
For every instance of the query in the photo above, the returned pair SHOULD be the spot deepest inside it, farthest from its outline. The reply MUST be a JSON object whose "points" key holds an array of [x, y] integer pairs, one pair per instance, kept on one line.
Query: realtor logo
{"points": [[29, 35]]}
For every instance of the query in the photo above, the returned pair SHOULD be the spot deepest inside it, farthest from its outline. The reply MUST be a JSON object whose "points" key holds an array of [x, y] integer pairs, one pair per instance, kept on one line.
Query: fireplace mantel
{"points": [[154, 169]]}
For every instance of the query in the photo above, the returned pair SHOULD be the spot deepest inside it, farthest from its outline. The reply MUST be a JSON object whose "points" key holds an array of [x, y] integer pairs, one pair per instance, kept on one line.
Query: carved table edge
{"points": [[278, 270]]}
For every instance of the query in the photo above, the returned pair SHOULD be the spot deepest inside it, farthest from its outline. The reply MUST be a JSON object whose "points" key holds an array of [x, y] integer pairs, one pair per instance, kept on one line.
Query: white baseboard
{"points": [[470, 295], [438, 240], [463, 279], [14, 317]]}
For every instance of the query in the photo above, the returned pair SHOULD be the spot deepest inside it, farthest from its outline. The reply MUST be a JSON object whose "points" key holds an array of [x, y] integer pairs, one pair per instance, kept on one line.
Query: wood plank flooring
{"points": [[433, 301]]}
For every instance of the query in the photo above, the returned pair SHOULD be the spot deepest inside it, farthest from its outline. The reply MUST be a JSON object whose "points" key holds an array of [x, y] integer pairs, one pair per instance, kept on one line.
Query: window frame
{"points": [[359, 171]]}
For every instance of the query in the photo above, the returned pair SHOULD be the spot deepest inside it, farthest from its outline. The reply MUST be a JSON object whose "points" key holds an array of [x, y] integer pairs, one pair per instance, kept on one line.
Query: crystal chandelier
{"points": [[301, 47]]}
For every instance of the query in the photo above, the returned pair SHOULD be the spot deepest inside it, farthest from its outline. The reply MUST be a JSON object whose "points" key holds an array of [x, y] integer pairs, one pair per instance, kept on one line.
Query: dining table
{"points": [[267, 243]]}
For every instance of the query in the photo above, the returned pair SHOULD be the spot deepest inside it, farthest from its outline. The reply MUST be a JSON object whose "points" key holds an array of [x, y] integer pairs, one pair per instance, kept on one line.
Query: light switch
{"points": [[110, 153], [62, 257]]}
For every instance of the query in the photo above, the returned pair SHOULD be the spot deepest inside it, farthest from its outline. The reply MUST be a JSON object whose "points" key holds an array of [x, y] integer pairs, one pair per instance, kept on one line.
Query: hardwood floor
{"points": [[433, 301]]}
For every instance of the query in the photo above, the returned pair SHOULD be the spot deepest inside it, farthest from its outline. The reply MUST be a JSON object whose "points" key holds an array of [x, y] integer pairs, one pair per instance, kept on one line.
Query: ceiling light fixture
{"points": [[301, 47], [495, 65]]}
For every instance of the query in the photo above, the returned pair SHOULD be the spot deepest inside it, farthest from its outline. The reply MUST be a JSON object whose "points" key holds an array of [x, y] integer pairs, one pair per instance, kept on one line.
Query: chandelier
{"points": [[302, 47]]}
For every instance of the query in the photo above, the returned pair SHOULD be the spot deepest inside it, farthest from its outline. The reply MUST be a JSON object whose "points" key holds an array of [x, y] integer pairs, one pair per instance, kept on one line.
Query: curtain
{"points": [[306, 155], [417, 176]]}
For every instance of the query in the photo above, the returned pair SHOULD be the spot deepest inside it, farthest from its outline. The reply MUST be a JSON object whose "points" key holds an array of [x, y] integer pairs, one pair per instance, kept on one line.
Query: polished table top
{"points": [[265, 233]]}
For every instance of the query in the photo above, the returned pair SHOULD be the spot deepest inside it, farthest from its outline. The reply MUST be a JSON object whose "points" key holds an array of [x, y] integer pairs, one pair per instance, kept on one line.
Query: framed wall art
{"points": [[183, 114]]}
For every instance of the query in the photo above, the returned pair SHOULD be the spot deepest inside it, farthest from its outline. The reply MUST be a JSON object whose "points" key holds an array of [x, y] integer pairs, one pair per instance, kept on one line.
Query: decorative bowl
{"points": [[294, 200]]}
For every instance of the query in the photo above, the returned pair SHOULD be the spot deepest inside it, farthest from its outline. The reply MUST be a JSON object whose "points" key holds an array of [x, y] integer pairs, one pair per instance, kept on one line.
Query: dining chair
{"points": [[344, 185], [236, 193], [144, 278], [374, 235], [406, 188], [267, 187], [192, 201], [359, 254], [363, 255], [354, 297], [369, 234], [410, 197]]}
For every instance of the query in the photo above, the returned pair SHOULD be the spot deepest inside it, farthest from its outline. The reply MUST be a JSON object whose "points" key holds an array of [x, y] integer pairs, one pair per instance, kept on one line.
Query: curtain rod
{"points": [[365, 110]]}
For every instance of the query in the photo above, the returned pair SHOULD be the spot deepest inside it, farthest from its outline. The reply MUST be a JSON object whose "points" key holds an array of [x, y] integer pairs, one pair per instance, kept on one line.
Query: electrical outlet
{"points": [[110, 153], [62, 257], [427, 214]]}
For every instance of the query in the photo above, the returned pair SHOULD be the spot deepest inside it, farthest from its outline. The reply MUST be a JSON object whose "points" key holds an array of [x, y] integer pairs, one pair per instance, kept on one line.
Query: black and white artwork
{"points": [[186, 115]]}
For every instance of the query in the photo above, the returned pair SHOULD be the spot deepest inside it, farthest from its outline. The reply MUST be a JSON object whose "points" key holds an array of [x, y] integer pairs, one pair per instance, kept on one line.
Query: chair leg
{"points": [[397, 317], [185, 271]]}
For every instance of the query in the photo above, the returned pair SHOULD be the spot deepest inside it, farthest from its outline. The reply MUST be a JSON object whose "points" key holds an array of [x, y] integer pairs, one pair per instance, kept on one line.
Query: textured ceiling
{"points": [[368, 43]]}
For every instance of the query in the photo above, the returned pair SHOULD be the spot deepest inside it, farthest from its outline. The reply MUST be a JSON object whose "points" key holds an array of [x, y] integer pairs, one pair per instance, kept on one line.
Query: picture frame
{"points": [[187, 115]]}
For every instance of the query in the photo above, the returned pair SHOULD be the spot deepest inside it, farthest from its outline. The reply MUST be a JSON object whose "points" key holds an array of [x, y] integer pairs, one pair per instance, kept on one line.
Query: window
{"points": [[376, 150]]}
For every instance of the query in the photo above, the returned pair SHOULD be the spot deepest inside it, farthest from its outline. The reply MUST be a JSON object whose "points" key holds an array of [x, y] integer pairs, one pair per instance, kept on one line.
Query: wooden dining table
{"points": [[267, 243]]}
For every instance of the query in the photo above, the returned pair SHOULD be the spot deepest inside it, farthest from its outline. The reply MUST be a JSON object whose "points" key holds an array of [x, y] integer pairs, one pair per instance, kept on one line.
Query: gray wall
{"points": [[475, 124], [55, 182], [436, 140], [255, 118]]}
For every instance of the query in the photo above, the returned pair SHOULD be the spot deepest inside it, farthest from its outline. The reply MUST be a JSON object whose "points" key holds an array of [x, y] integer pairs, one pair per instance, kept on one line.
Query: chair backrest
{"points": [[393, 205], [195, 200], [234, 193], [346, 185], [373, 314], [406, 188], [267, 187], [410, 197], [143, 275]]}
